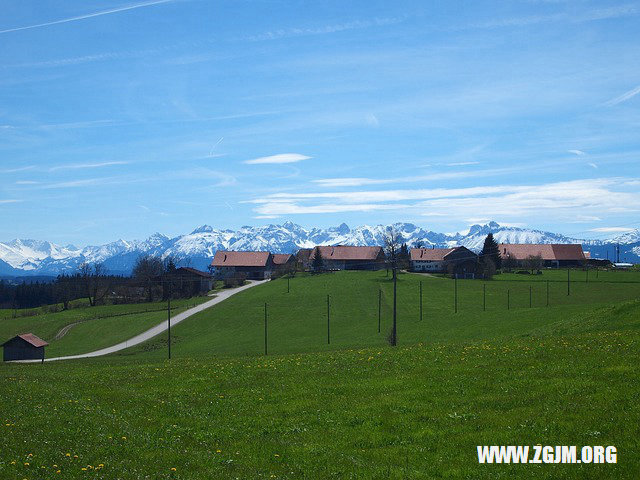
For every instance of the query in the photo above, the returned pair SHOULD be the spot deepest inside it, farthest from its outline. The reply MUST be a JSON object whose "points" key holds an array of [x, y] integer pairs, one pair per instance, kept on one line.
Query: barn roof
{"points": [[240, 259], [343, 252], [281, 258], [193, 271], [432, 254], [548, 251], [29, 338]]}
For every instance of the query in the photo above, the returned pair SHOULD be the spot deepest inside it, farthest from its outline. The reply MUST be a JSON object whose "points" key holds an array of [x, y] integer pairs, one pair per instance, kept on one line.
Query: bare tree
{"points": [[533, 262], [146, 269], [392, 246], [95, 281]]}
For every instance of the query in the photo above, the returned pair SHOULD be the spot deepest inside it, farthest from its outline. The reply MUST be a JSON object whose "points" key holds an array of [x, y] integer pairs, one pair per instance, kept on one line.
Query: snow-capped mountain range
{"points": [[35, 257]]}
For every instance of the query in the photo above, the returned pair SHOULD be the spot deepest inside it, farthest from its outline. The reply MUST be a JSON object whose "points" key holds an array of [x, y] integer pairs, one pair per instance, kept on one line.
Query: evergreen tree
{"points": [[491, 251], [318, 262]]}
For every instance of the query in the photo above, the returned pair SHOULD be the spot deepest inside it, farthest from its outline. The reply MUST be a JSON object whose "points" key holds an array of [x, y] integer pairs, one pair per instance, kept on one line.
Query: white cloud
{"points": [[577, 152], [624, 97], [89, 15], [514, 203], [10, 201], [592, 165], [461, 164], [86, 165], [612, 229], [280, 158]]}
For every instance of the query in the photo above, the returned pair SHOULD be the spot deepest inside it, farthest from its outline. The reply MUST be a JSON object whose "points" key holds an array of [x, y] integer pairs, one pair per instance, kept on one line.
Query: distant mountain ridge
{"points": [[36, 257]]}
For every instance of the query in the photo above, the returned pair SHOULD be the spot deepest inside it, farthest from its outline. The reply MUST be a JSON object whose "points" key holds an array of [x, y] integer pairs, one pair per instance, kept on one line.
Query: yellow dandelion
{"points": [[218, 451], [26, 464], [173, 469], [276, 455], [57, 471], [68, 454], [84, 469]]}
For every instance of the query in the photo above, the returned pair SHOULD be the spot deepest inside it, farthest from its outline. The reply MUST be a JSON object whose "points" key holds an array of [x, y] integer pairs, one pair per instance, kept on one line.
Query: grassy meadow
{"points": [[565, 374], [95, 327]]}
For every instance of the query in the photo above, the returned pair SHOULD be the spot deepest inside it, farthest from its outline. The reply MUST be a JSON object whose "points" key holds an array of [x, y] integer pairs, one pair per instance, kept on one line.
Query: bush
{"points": [[236, 280]]}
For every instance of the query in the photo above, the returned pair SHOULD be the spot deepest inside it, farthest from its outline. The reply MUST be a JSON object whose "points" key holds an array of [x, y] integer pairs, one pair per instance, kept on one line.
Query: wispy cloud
{"points": [[511, 202], [611, 229], [461, 164], [592, 165], [10, 201], [624, 97], [323, 30], [577, 152], [86, 165], [89, 15], [18, 169], [280, 158], [26, 182]]}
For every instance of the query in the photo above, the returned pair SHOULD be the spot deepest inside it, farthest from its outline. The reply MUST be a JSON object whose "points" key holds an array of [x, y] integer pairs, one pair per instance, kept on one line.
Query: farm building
{"points": [[26, 346], [284, 262], [189, 279], [553, 254], [341, 257], [303, 258], [456, 260], [255, 265]]}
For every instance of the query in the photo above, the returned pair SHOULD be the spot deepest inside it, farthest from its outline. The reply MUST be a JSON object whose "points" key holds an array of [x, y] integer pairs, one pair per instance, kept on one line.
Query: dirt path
{"points": [[158, 329]]}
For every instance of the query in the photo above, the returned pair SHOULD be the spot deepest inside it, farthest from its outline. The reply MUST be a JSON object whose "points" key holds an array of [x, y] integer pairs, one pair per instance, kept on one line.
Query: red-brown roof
{"points": [[432, 254], [32, 339], [548, 251], [193, 271], [281, 258], [342, 252], [240, 259]]}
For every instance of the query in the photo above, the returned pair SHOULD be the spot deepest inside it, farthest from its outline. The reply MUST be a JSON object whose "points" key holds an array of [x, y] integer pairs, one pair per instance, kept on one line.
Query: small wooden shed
{"points": [[26, 346]]}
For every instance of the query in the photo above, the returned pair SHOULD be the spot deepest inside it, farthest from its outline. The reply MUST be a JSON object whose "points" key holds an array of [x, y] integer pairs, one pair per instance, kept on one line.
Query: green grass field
{"points": [[98, 327], [357, 408], [297, 321]]}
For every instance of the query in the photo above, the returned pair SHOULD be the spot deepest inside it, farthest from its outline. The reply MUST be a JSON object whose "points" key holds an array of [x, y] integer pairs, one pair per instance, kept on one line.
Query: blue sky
{"points": [[122, 119]]}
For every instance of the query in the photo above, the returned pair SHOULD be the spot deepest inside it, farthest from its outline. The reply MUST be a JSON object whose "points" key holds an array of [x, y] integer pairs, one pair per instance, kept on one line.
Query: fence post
{"points": [[547, 293], [379, 307], [455, 294], [568, 283], [508, 300], [420, 300], [484, 297], [265, 328], [328, 322]]}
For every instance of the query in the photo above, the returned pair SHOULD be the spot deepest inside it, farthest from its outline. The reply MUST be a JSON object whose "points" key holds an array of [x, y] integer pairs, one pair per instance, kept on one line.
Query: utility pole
{"points": [[395, 302], [420, 300], [529, 296], [169, 321], [379, 307], [265, 328], [484, 297], [568, 283], [508, 300], [328, 322], [287, 284], [547, 293], [455, 293]]}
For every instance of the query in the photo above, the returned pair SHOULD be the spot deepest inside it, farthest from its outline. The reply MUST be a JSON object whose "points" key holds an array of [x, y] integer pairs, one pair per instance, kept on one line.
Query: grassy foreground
{"points": [[410, 412]]}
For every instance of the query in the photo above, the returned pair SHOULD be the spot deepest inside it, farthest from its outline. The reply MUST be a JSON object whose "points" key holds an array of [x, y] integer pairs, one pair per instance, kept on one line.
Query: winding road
{"points": [[158, 329]]}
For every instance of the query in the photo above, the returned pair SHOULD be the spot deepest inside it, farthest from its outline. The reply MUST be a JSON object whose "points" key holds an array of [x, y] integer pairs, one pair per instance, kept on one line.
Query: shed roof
{"points": [[282, 258], [431, 254], [344, 252], [224, 258], [193, 271], [29, 338]]}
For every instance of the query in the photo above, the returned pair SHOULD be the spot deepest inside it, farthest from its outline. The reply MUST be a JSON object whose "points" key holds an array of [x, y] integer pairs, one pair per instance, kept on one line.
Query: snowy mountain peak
{"points": [[198, 248], [203, 229]]}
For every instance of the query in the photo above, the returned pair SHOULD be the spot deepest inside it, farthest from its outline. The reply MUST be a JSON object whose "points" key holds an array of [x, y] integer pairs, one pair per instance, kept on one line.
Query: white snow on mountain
{"points": [[198, 247]]}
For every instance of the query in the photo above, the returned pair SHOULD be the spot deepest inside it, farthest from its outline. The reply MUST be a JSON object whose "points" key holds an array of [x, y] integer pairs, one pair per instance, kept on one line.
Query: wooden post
{"points": [[484, 297], [395, 304], [379, 308], [508, 300], [420, 300], [455, 293], [328, 322], [169, 322], [568, 283], [288, 284], [530, 303], [265, 328], [547, 293]]}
